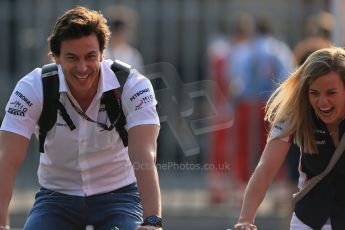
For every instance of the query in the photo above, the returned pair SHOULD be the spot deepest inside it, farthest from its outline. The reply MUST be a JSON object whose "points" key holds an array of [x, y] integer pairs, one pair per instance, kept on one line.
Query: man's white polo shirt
{"points": [[87, 160]]}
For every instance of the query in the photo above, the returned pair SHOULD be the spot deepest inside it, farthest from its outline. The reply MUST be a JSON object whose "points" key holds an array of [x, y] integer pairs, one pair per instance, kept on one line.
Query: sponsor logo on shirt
{"points": [[140, 105], [21, 96], [137, 94], [16, 112], [144, 100], [17, 108], [61, 124], [101, 108], [323, 142], [278, 127], [320, 131]]}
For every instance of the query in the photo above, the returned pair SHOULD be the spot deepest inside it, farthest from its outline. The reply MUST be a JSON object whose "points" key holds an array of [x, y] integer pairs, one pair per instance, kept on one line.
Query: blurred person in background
{"points": [[217, 53], [318, 29], [87, 175], [256, 66], [123, 23], [230, 59], [270, 63], [308, 106]]}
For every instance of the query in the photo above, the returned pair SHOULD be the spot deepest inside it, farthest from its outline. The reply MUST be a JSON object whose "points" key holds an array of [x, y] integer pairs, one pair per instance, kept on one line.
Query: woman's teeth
{"points": [[326, 111]]}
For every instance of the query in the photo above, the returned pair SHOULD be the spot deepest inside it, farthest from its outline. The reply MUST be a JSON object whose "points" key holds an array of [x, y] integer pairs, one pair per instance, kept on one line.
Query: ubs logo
{"points": [[16, 112], [16, 108]]}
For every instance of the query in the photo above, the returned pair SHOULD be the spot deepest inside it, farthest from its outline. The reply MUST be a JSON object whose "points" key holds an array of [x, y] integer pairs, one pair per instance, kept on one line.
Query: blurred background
{"points": [[213, 64]]}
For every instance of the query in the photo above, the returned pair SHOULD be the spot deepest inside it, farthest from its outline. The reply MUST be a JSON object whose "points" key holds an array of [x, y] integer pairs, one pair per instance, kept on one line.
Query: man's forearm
{"points": [[148, 186], [12, 154], [6, 188], [142, 150]]}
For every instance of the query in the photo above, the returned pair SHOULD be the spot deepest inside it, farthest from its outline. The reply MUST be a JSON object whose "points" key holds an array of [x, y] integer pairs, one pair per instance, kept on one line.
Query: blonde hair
{"points": [[290, 104]]}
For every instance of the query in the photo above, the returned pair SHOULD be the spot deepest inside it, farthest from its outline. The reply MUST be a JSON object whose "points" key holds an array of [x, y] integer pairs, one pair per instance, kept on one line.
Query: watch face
{"points": [[153, 220]]}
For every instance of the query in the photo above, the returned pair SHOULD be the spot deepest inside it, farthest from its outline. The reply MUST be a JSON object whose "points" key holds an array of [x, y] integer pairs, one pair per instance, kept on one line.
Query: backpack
{"points": [[52, 105]]}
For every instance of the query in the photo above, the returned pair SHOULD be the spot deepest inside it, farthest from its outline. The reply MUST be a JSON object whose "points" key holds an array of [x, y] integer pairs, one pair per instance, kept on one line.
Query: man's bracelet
{"points": [[7, 227]]}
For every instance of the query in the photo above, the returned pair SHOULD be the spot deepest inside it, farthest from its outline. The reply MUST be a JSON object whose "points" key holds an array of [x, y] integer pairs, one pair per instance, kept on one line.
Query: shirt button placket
{"points": [[82, 151]]}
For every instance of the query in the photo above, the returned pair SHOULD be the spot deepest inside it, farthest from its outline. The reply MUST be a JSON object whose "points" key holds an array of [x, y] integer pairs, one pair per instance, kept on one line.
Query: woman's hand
{"points": [[245, 226], [147, 227]]}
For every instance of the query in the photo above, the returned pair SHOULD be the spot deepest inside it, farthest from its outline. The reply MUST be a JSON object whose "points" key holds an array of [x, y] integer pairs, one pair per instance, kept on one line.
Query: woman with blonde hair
{"points": [[308, 107]]}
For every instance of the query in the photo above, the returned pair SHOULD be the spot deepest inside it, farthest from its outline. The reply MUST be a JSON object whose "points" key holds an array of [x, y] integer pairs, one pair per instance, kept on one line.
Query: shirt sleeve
{"points": [[276, 130], [139, 101], [24, 106]]}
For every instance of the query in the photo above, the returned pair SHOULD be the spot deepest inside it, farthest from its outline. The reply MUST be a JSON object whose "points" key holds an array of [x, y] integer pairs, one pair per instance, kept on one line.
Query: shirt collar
{"points": [[107, 81], [62, 81]]}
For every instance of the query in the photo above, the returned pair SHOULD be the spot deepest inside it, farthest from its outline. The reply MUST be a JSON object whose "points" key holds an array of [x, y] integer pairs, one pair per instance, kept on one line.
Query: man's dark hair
{"points": [[76, 23]]}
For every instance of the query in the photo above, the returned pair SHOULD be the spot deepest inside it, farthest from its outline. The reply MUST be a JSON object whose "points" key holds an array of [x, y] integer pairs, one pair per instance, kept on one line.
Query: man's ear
{"points": [[52, 57]]}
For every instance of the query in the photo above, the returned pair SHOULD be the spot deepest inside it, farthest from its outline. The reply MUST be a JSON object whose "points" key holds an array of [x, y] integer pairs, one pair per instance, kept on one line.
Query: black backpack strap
{"points": [[51, 103], [112, 100], [120, 125], [121, 71], [51, 95]]}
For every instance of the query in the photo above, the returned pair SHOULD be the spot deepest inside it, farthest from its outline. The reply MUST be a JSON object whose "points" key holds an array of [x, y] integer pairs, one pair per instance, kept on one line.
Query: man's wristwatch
{"points": [[153, 220]]}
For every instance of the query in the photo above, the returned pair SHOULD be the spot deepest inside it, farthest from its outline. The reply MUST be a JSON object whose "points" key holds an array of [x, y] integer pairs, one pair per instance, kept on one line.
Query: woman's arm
{"points": [[270, 162]]}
